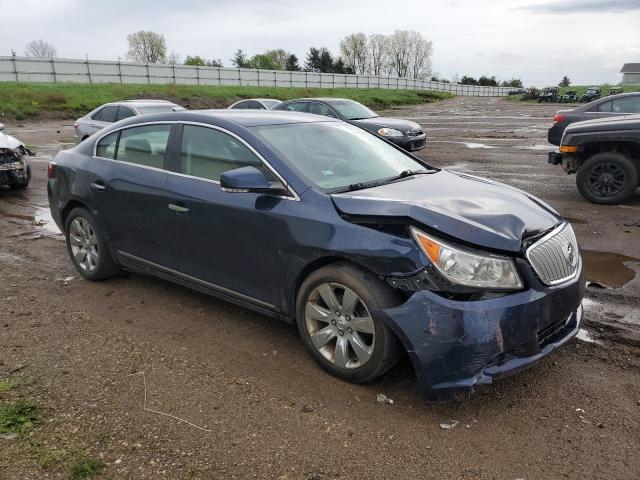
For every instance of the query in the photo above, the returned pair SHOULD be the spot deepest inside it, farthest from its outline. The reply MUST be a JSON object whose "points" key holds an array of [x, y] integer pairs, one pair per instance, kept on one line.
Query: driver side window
{"points": [[207, 153]]}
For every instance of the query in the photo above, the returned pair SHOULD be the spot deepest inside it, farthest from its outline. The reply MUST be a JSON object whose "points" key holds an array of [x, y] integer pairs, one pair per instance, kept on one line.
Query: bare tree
{"points": [[354, 51], [420, 61], [40, 49], [400, 46], [378, 53], [147, 47], [173, 59]]}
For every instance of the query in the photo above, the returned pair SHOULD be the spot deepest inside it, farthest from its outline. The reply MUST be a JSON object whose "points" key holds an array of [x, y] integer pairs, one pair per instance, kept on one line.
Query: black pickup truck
{"points": [[605, 154]]}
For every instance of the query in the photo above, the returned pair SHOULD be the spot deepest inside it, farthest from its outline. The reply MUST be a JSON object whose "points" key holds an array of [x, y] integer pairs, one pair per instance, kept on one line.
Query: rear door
{"points": [[127, 191], [230, 241]]}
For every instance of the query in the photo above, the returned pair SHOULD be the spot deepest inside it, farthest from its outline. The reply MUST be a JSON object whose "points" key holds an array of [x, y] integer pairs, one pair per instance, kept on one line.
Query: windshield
{"points": [[169, 107], [336, 155], [352, 110]]}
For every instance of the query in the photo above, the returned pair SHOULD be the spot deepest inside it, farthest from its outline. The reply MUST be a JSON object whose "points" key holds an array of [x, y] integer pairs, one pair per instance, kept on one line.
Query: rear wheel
{"points": [[607, 178], [87, 246], [336, 319]]}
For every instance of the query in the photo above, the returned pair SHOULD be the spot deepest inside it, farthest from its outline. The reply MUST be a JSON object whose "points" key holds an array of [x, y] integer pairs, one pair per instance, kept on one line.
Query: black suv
{"points": [[605, 154]]}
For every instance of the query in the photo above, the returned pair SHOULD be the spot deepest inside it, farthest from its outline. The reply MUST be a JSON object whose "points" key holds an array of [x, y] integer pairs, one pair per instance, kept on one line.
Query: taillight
{"points": [[558, 117], [51, 170]]}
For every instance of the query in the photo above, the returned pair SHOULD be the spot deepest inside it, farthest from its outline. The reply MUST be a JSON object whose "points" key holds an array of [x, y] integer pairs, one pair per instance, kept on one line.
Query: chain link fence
{"points": [[33, 70]]}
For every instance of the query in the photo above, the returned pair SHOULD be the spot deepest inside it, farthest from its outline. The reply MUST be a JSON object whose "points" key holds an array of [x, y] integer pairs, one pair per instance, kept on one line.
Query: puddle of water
{"points": [[585, 336], [477, 145], [43, 219], [608, 268], [537, 147]]}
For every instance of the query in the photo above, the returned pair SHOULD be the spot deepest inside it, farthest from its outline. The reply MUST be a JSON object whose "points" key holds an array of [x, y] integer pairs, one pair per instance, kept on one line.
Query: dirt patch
{"points": [[266, 410], [608, 268]]}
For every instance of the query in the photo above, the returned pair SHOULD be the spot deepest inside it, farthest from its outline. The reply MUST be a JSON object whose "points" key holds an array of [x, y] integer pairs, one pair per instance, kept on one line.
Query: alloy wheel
{"points": [[84, 244], [606, 179], [339, 325]]}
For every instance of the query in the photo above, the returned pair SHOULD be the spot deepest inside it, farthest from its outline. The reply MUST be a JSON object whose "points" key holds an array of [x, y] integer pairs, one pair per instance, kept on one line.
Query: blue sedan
{"points": [[372, 252]]}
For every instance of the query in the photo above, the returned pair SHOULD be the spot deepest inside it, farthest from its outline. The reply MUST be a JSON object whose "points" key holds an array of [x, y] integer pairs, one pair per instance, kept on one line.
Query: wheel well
{"points": [[67, 209], [306, 271], [628, 149]]}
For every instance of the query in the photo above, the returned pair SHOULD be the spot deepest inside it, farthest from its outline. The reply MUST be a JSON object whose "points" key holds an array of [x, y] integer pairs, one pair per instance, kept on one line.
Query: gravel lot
{"points": [[257, 406]]}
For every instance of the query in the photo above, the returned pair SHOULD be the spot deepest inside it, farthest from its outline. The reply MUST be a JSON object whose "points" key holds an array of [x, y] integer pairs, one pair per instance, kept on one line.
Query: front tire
{"points": [[87, 246], [337, 322], [607, 178]]}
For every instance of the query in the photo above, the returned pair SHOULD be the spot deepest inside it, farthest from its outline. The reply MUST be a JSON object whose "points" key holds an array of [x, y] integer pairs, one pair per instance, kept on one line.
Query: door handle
{"points": [[99, 186], [178, 208]]}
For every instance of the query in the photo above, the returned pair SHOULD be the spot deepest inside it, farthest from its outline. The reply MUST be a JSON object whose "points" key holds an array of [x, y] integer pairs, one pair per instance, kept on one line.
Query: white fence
{"points": [[23, 69]]}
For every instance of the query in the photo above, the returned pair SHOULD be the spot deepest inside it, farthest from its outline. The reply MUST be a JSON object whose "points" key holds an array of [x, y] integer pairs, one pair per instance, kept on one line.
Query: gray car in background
{"points": [[109, 113]]}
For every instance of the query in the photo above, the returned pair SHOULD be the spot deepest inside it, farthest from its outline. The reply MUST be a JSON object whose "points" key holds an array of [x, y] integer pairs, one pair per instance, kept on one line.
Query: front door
{"points": [[231, 241]]}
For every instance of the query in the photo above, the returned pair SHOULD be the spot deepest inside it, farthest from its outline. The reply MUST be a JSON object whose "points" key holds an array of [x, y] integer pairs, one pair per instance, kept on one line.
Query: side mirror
{"points": [[247, 179]]}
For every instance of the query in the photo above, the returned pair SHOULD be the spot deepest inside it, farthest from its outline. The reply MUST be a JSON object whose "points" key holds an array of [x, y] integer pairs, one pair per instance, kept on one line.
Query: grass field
{"points": [[581, 89], [69, 100]]}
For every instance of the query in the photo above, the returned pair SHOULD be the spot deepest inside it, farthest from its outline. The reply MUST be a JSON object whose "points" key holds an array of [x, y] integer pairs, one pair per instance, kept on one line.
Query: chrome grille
{"points": [[555, 257]]}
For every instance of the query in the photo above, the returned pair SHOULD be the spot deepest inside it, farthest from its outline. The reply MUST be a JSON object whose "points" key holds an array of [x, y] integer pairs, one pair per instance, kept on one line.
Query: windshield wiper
{"points": [[383, 181]]}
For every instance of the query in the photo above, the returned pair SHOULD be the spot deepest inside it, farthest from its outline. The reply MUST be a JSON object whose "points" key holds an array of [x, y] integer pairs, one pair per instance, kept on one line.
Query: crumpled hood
{"points": [[397, 123], [7, 141], [472, 209]]}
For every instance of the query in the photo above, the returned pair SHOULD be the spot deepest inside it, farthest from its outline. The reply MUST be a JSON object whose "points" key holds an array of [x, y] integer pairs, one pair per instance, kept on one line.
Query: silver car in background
{"points": [[109, 113], [255, 104]]}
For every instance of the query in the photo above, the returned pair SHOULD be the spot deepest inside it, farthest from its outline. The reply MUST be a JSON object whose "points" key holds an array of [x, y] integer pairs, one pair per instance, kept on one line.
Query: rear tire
{"points": [[607, 178], [87, 246], [348, 341]]}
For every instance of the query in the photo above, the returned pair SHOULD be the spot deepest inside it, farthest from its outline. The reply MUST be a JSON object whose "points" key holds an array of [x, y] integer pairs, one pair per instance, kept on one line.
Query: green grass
{"points": [[87, 467], [70, 100], [17, 417]]}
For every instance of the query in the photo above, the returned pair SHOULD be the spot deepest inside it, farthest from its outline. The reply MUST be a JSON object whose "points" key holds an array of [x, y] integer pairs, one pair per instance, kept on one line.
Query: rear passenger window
{"points": [[240, 106], [144, 145], [107, 146], [626, 105], [296, 107], [107, 114], [207, 153], [320, 109], [605, 107], [255, 105], [125, 112]]}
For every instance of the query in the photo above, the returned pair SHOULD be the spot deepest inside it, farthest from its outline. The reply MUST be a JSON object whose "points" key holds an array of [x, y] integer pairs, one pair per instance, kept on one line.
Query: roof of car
{"points": [[143, 101], [254, 118], [323, 99]]}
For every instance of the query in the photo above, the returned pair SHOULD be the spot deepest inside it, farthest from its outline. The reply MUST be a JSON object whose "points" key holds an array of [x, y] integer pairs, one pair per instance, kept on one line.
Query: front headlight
{"points": [[390, 132], [469, 268]]}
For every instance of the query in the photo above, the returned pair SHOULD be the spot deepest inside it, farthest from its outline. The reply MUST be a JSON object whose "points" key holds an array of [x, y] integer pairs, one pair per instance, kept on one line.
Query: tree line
{"points": [[404, 54]]}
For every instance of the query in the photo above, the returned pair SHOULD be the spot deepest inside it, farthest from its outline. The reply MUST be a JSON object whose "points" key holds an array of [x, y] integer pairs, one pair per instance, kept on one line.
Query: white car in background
{"points": [[109, 113]]}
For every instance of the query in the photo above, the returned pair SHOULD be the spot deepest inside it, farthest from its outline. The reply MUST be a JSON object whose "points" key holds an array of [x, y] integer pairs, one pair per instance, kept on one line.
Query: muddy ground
{"points": [[256, 404]]}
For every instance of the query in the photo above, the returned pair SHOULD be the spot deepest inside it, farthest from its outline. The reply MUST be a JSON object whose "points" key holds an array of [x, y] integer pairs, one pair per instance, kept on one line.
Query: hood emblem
{"points": [[570, 254]]}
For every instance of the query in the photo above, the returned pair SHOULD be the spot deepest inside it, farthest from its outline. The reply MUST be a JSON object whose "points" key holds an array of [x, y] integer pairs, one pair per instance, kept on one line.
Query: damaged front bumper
{"points": [[14, 169], [455, 345]]}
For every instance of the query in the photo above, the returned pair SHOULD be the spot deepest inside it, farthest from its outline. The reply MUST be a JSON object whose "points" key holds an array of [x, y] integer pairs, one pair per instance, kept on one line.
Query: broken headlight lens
{"points": [[468, 268]]}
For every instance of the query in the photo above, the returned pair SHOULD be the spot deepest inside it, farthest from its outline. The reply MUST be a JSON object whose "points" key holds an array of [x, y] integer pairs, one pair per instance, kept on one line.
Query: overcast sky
{"points": [[538, 41]]}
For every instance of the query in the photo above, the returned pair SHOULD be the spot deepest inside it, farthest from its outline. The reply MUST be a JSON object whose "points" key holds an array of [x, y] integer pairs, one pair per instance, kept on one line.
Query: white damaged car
{"points": [[15, 172]]}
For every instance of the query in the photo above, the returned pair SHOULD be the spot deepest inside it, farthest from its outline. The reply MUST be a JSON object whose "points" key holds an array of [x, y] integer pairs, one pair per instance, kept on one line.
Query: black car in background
{"points": [[610, 106], [405, 134], [592, 93]]}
